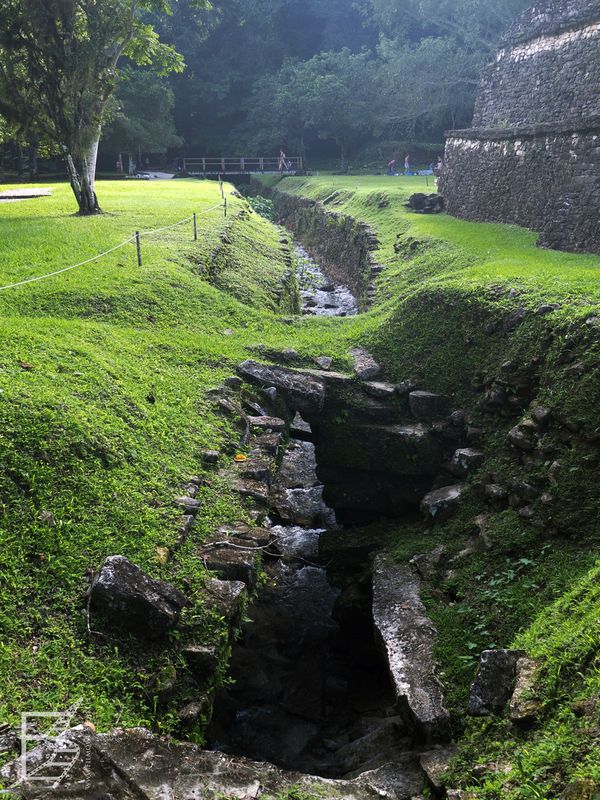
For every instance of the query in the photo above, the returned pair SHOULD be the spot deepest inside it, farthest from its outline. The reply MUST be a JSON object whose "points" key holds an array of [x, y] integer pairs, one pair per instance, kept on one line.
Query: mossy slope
{"points": [[103, 414], [477, 311]]}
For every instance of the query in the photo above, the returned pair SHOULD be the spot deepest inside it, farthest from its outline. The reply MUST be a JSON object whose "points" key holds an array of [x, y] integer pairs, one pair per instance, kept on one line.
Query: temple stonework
{"points": [[533, 154]]}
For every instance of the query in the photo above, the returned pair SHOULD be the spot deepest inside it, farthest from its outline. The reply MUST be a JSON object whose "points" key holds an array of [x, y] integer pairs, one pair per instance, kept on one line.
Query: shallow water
{"points": [[322, 297]]}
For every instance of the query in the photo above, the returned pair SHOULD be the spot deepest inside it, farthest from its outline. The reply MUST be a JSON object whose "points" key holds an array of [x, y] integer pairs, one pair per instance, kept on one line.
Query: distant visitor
{"points": [[391, 167]]}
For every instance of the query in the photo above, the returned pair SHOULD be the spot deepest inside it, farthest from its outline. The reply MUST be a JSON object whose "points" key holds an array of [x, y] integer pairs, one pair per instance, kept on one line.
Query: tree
{"points": [[143, 115], [331, 95], [7, 131], [476, 23], [58, 71], [430, 58], [244, 76], [336, 94], [248, 42], [277, 112], [427, 87]]}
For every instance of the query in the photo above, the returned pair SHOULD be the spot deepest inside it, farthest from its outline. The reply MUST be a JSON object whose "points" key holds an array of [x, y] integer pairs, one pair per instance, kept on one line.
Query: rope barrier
{"points": [[212, 208], [67, 269], [106, 252], [166, 227]]}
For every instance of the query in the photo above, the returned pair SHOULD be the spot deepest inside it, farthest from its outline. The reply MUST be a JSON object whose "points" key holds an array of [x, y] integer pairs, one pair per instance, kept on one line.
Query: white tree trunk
{"points": [[83, 182], [91, 160]]}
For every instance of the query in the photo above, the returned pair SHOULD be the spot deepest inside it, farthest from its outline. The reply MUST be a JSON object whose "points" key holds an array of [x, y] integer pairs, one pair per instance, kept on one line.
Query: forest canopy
{"points": [[316, 77], [264, 73]]}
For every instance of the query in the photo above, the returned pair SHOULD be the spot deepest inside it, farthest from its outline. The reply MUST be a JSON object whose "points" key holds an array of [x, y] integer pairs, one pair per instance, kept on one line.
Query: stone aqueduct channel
{"points": [[303, 710], [335, 688]]}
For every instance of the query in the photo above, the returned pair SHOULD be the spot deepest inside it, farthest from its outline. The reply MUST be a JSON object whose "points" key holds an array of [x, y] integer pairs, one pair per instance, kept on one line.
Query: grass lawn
{"points": [[103, 374], [473, 255], [102, 417]]}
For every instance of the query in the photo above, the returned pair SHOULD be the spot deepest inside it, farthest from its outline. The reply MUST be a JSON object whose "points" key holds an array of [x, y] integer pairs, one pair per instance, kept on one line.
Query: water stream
{"points": [[321, 297]]}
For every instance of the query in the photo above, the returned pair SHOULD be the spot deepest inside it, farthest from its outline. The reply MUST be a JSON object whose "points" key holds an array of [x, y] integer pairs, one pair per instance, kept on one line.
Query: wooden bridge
{"points": [[242, 166]]}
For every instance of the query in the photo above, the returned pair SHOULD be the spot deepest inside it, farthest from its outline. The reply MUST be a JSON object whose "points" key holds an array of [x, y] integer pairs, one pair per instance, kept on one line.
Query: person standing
{"points": [[391, 167], [282, 160], [407, 164]]}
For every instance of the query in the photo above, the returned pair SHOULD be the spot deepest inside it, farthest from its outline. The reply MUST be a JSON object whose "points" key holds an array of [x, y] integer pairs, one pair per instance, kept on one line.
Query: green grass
{"points": [[445, 281], [102, 417], [474, 255], [103, 374], [564, 747]]}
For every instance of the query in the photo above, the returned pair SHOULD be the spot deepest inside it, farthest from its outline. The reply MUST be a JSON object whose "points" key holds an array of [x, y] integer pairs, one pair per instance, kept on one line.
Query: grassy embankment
{"points": [[447, 288], [103, 375], [102, 379]]}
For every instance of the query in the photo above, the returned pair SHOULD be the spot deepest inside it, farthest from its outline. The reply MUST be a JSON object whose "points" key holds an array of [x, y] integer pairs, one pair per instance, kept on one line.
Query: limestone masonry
{"points": [[533, 154]]}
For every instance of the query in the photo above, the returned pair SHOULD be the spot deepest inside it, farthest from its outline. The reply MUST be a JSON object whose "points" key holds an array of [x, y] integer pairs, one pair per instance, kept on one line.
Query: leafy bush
{"points": [[263, 206]]}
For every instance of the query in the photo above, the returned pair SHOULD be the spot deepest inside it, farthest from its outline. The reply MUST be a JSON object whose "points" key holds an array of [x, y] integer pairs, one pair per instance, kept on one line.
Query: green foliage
{"points": [[565, 747], [253, 64], [415, 96], [143, 115], [263, 206], [330, 95]]}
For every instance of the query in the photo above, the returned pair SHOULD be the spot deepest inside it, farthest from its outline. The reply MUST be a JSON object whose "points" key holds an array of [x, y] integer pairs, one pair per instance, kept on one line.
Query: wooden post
{"points": [[261, 164], [138, 243], [204, 166], [195, 228], [242, 164], [223, 165], [225, 206]]}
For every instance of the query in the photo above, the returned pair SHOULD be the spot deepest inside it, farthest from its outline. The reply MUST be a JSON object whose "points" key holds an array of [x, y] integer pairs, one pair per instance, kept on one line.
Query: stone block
{"points": [[466, 460], [125, 595], [427, 405], [301, 391], [442, 504], [365, 366], [524, 705], [407, 638], [494, 682]]}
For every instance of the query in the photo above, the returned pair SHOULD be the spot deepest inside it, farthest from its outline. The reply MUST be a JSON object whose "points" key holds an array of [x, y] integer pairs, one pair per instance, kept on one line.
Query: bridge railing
{"points": [[237, 166]]}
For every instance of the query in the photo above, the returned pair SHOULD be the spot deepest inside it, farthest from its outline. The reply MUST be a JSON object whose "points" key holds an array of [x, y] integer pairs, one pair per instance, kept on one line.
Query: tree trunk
{"points": [[83, 184], [302, 146], [88, 180]]}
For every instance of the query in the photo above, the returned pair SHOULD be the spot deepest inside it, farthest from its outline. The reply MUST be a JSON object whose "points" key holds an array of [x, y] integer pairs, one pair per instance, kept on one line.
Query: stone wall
{"points": [[533, 154], [552, 76], [547, 181], [551, 16], [343, 245]]}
